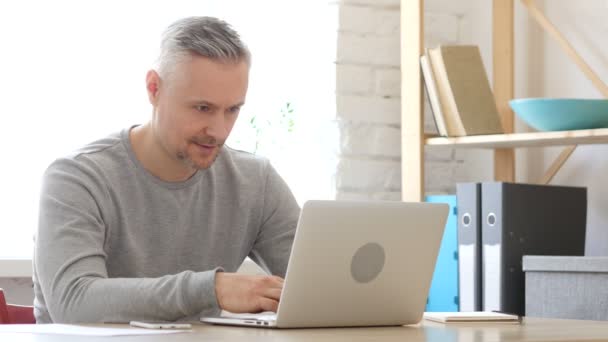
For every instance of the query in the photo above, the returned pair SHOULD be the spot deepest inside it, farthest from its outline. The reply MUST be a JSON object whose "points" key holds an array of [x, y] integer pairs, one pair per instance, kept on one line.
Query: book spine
{"points": [[447, 102], [431, 91]]}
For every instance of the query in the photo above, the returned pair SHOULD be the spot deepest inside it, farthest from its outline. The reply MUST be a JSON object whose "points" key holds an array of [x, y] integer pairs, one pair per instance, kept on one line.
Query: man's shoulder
{"points": [[99, 146], [97, 154]]}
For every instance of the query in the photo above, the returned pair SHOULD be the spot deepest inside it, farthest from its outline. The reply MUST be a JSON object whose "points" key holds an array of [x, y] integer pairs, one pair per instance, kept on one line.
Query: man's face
{"points": [[195, 108]]}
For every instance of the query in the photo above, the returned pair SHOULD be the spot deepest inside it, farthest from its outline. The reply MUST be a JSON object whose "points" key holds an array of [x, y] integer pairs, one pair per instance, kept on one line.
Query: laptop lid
{"points": [[358, 263], [361, 263]]}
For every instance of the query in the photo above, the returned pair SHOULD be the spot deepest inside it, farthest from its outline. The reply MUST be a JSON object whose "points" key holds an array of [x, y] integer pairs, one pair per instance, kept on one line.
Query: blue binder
{"points": [[443, 296]]}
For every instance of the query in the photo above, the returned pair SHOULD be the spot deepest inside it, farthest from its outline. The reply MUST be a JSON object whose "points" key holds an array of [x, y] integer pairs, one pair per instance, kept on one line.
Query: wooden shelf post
{"points": [[412, 118], [503, 71]]}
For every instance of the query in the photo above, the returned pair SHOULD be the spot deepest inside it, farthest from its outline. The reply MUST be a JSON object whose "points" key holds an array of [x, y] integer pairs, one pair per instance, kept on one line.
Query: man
{"points": [[146, 224]]}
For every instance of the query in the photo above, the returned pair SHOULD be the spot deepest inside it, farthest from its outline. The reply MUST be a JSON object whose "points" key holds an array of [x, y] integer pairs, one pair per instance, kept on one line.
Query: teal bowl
{"points": [[546, 114]]}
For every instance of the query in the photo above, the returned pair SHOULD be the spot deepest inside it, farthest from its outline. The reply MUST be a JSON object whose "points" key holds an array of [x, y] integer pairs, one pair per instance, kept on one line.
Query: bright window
{"points": [[73, 72]]}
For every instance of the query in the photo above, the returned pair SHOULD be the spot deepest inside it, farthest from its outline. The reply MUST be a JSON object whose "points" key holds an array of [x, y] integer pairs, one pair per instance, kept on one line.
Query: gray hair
{"points": [[204, 36]]}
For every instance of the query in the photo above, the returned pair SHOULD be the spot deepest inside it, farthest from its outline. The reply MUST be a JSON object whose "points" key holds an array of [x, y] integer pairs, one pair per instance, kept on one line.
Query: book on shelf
{"points": [[464, 102], [431, 92]]}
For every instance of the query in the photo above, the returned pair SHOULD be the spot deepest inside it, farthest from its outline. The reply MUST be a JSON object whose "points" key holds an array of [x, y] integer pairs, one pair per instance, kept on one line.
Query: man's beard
{"points": [[185, 157]]}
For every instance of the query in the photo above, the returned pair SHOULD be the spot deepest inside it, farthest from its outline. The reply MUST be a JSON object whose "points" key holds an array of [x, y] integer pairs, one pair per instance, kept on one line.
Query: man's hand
{"points": [[241, 293]]}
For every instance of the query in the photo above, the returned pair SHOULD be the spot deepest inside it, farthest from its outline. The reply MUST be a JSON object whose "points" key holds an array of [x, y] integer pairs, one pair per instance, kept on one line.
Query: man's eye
{"points": [[203, 108], [235, 110]]}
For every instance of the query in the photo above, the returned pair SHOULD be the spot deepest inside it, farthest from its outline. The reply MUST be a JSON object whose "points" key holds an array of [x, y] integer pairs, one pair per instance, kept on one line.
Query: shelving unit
{"points": [[413, 138], [531, 139]]}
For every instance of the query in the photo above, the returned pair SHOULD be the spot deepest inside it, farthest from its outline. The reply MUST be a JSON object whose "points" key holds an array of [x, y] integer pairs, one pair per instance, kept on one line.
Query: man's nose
{"points": [[217, 126]]}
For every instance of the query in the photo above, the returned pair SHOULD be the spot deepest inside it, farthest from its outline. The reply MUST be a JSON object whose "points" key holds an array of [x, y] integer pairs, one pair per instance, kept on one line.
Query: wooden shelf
{"points": [[532, 139]]}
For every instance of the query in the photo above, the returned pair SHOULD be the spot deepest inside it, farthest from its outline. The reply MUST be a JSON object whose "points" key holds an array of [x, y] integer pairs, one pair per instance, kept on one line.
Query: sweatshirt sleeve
{"points": [[273, 244], [70, 261]]}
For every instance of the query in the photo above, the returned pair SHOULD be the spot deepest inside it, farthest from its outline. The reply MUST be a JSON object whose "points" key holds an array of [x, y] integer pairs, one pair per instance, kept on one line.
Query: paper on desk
{"points": [[66, 329], [479, 316]]}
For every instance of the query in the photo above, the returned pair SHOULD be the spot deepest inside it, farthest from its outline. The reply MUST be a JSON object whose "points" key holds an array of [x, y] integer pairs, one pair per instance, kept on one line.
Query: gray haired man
{"points": [[151, 222]]}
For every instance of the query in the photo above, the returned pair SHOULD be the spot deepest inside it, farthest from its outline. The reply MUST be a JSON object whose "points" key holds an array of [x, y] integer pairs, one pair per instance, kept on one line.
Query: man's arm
{"points": [[280, 217], [71, 269]]}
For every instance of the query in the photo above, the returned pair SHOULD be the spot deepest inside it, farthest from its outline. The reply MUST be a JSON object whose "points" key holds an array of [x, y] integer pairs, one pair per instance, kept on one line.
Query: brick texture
{"points": [[368, 101]]}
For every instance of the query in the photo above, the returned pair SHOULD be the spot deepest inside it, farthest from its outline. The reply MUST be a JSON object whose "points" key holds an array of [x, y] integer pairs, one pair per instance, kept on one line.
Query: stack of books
{"points": [[459, 92]]}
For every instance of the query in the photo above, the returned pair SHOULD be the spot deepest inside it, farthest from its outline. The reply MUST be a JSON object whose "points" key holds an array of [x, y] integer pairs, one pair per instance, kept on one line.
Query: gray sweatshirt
{"points": [[115, 243]]}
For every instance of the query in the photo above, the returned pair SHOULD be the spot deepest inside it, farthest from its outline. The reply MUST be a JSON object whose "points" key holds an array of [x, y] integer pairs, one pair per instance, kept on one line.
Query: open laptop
{"points": [[356, 263]]}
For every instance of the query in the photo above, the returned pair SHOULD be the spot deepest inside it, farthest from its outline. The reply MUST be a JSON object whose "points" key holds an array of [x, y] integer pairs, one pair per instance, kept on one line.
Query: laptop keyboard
{"points": [[265, 316]]}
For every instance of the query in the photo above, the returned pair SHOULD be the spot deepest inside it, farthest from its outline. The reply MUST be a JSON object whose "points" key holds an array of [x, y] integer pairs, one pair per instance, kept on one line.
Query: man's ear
{"points": [[152, 86]]}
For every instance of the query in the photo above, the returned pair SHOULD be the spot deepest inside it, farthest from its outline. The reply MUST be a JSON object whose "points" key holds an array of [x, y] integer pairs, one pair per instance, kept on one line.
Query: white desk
{"points": [[532, 329]]}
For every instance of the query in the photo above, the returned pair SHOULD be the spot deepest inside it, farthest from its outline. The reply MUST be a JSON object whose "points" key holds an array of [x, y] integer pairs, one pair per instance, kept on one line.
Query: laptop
{"points": [[356, 263]]}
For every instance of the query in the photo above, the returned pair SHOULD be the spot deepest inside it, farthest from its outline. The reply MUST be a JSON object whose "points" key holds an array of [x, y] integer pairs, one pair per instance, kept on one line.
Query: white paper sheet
{"points": [[478, 316], [66, 329]]}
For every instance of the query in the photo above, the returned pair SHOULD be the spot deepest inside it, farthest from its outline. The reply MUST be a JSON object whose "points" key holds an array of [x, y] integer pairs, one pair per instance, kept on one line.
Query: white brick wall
{"points": [[394, 4], [355, 48], [353, 79], [367, 174], [368, 100], [387, 82], [442, 28], [378, 196], [369, 20], [368, 108], [364, 139]]}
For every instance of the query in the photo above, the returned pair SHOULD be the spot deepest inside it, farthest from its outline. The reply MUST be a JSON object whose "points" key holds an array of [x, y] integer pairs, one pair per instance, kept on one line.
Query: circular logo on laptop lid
{"points": [[367, 263]]}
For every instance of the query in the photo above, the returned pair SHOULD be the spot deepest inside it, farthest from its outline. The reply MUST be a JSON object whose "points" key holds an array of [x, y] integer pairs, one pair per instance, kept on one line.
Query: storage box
{"points": [[566, 287]]}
